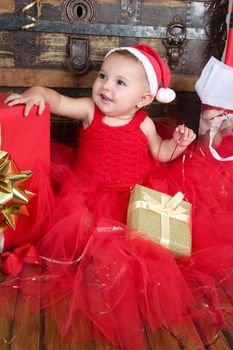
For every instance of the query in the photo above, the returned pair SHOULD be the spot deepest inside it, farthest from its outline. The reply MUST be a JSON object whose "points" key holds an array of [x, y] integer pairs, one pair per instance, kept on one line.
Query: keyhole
{"points": [[81, 11]]}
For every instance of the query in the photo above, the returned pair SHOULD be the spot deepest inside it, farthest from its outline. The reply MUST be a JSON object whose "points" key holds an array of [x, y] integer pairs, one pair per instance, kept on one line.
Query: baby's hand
{"points": [[183, 135], [30, 98]]}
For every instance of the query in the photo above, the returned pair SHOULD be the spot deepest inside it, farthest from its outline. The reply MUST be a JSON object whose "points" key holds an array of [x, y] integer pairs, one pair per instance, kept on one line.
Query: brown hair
{"points": [[126, 53]]}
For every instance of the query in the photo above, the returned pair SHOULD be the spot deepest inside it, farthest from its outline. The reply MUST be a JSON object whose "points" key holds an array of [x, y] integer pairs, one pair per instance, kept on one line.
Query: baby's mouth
{"points": [[105, 98]]}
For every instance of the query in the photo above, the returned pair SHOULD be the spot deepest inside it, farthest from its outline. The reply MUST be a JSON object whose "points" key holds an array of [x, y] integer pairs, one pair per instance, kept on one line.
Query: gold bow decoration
{"points": [[34, 21], [13, 195]]}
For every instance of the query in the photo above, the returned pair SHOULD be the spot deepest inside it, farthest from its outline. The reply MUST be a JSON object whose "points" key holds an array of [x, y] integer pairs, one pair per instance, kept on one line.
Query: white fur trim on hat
{"points": [[165, 95], [149, 69]]}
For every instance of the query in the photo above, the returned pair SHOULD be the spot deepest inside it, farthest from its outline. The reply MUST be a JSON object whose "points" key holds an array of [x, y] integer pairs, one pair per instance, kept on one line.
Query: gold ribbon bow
{"points": [[13, 197], [34, 20], [168, 208]]}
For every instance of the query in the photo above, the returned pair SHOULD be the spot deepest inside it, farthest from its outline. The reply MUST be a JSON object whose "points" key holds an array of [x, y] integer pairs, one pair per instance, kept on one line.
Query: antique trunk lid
{"points": [[75, 35]]}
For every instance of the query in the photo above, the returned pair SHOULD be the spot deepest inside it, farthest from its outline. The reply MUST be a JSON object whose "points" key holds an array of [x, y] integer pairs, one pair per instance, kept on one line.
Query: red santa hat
{"points": [[156, 69]]}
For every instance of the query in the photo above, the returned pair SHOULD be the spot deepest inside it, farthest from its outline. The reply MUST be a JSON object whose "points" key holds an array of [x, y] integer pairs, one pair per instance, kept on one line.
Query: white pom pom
{"points": [[165, 95]]}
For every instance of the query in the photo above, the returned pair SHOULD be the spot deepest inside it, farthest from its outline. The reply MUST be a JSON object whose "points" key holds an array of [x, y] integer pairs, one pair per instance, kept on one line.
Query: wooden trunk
{"points": [[51, 43]]}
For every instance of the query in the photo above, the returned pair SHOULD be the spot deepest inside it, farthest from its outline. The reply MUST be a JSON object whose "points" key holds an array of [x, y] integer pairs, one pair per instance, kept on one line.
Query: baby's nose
{"points": [[108, 84]]}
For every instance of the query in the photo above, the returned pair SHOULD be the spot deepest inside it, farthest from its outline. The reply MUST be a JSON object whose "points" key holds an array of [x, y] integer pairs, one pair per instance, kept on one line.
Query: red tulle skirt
{"points": [[78, 256]]}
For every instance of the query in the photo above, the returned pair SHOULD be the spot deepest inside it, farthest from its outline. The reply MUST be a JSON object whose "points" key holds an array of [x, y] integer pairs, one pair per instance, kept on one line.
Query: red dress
{"points": [[92, 267]]}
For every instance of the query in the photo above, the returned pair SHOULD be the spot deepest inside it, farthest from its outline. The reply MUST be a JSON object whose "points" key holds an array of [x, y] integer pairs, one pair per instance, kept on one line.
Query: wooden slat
{"points": [[64, 79], [52, 48], [5, 333], [226, 299], [6, 322], [226, 302], [195, 342], [223, 342], [7, 6], [40, 332], [50, 2], [104, 344], [52, 339], [229, 337], [220, 344], [45, 77], [162, 340], [183, 82], [26, 335]]}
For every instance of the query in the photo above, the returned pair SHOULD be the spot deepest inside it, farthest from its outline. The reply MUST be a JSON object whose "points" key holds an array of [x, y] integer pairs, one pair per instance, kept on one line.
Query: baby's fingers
{"points": [[186, 134], [30, 103], [28, 106], [190, 136], [186, 137], [16, 101], [41, 107], [180, 129], [12, 97]]}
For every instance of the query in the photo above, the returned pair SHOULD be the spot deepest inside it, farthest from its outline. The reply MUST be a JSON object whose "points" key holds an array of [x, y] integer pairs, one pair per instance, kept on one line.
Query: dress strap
{"points": [[98, 116], [139, 117]]}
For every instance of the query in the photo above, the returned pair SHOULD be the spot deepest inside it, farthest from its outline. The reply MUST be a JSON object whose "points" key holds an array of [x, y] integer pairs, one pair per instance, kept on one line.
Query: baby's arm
{"points": [[166, 150], [78, 108]]}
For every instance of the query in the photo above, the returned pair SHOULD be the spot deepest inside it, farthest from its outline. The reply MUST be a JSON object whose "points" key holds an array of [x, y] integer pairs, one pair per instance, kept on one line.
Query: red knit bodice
{"points": [[116, 156]]}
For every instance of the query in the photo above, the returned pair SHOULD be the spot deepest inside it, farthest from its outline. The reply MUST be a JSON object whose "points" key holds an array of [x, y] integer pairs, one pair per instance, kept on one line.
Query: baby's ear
{"points": [[146, 99]]}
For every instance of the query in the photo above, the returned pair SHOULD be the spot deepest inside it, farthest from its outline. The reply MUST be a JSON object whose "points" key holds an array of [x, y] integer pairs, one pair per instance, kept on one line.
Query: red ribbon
{"points": [[205, 107], [229, 44], [12, 262]]}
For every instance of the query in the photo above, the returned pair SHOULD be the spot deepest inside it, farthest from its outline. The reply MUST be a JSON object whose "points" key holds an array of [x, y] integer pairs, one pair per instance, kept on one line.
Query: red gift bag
{"points": [[26, 139], [214, 88]]}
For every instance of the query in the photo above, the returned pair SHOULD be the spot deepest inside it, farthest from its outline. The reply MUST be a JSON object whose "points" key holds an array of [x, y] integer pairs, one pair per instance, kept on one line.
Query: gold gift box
{"points": [[164, 219]]}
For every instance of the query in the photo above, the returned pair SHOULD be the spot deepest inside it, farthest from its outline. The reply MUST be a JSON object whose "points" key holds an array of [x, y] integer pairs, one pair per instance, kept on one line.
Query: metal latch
{"points": [[78, 61], [175, 41]]}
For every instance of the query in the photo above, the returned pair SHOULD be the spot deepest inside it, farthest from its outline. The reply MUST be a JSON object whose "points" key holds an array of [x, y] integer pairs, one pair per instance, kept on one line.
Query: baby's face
{"points": [[120, 86]]}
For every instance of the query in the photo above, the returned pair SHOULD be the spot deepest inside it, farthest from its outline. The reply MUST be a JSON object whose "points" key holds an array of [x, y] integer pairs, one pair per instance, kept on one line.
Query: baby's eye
{"points": [[121, 82], [102, 75]]}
